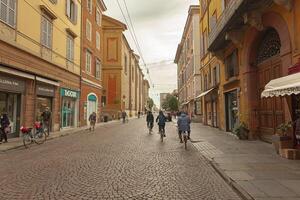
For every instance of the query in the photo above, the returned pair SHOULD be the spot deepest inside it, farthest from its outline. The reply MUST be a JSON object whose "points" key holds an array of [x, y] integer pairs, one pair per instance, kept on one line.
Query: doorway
{"points": [[270, 110]]}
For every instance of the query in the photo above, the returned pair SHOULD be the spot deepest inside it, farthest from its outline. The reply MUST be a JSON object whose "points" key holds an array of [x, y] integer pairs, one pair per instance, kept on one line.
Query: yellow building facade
{"points": [[40, 51], [252, 46]]}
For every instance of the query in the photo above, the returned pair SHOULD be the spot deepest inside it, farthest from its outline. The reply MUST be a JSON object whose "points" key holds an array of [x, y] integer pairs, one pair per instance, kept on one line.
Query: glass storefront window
{"points": [[68, 112], [42, 103], [10, 103]]}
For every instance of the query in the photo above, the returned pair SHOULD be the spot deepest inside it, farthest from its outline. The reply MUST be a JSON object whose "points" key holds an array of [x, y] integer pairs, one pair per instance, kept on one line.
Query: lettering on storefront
{"points": [[45, 90], [12, 84], [69, 93]]}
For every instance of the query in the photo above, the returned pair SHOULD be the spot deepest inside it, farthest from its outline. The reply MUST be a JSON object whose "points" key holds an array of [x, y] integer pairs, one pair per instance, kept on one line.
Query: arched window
{"points": [[269, 46]]}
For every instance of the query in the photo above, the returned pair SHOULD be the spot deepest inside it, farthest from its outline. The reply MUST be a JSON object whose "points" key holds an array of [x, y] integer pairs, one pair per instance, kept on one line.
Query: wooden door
{"points": [[271, 110]]}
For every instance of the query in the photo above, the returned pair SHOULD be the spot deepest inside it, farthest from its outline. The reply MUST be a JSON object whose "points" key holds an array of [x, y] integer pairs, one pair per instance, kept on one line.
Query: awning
{"points": [[283, 86], [204, 93], [185, 103]]}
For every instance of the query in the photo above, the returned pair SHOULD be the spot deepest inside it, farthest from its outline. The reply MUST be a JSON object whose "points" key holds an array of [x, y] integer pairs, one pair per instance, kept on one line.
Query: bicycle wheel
{"points": [[26, 140], [185, 141], [40, 138]]}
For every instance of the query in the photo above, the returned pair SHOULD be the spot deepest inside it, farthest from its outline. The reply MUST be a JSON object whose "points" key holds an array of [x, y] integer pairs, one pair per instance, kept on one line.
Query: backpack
{"points": [[161, 119]]}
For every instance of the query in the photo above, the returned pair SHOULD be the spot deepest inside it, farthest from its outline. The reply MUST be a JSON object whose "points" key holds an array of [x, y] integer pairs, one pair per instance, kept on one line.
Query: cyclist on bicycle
{"points": [[183, 123], [150, 120], [161, 121]]}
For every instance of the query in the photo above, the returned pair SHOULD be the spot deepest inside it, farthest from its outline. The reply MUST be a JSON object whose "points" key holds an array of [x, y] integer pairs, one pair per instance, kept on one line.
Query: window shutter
{"points": [[201, 46], [218, 73], [75, 13], [68, 8]]}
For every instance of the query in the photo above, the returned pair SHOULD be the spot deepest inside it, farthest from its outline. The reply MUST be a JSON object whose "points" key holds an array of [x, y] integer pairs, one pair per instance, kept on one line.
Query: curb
{"points": [[237, 188]]}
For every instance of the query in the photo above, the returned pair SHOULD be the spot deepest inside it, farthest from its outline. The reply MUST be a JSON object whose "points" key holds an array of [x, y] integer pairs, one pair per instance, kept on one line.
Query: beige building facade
{"points": [[188, 62], [122, 75]]}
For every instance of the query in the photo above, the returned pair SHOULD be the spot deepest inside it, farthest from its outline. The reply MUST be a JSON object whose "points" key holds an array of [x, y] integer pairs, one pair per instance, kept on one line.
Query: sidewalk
{"points": [[251, 167], [14, 143]]}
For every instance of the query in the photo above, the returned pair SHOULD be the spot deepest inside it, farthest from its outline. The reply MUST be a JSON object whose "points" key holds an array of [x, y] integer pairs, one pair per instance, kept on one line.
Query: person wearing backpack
{"points": [[92, 119], [161, 121]]}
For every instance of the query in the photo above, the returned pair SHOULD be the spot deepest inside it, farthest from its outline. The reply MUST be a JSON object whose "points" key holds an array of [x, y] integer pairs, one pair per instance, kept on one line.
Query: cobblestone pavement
{"points": [[115, 162]]}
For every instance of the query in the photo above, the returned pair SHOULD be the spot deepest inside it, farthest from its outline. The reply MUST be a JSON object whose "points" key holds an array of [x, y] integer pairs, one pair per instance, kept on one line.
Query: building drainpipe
{"points": [[80, 80], [35, 100]]}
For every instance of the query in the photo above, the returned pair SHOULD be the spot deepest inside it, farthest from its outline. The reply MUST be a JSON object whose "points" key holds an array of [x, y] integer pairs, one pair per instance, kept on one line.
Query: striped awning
{"points": [[283, 86]]}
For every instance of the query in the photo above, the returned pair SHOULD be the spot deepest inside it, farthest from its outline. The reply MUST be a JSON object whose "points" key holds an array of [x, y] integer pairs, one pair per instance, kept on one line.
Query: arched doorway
{"points": [[269, 66], [92, 104]]}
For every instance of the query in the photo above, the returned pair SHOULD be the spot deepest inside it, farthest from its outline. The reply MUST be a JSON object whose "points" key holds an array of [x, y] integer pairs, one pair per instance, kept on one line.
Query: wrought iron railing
{"points": [[223, 20]]}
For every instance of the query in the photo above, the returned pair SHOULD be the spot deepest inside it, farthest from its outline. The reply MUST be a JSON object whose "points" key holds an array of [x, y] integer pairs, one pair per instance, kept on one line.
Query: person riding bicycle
{"points": [[150, 120], [183, 123], [161, 121]]}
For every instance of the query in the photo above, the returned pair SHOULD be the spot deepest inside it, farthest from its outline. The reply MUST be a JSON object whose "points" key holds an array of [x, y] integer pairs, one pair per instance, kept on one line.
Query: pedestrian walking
{"points": [[150, 121], [124, 115], [161, 121], [92, 120], [46, 119], [5, 129], [139, 114]]}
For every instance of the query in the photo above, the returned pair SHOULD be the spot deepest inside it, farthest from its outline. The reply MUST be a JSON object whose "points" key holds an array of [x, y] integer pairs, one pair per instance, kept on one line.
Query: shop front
{"points": [[231, 109], [45, 95], [288, 87], [69, 108], [11, 90]]}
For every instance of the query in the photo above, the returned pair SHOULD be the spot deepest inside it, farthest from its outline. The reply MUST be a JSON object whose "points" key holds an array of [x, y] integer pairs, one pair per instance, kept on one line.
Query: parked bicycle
{"points": [[33, 135]]}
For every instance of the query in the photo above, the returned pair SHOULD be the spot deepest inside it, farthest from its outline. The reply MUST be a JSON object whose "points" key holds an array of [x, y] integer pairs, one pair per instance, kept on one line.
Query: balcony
{"points": [[223, 21], [232, 18]]}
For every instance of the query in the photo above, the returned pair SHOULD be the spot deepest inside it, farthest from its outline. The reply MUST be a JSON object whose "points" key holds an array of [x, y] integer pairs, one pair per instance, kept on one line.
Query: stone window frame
{"points": [[98, 41], [70, 48], [72, 10], [88, 62], [88, 31], [98, 69], [48, 22], [9, 9]]}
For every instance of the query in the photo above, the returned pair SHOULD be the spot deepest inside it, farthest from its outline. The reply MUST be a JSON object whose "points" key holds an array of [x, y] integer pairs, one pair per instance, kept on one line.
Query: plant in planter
{"points": [[241, 131], [281, 140]]}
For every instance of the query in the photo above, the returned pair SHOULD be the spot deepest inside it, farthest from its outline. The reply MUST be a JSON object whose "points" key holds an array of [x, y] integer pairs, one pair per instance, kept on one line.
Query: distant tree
{"points": [[170, 103], [150, 103]]}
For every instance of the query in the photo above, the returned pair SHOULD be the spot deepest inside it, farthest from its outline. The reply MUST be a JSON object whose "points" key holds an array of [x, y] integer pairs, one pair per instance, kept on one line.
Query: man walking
{"points": [[92, 119], [46, 119]]}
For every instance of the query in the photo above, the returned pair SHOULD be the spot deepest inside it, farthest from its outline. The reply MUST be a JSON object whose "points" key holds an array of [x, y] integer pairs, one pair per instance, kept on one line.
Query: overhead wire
{"points": [[133, 35]]}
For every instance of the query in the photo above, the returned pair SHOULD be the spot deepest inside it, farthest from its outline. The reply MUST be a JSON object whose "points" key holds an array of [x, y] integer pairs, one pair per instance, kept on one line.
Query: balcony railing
{"points": [[227, 14]]}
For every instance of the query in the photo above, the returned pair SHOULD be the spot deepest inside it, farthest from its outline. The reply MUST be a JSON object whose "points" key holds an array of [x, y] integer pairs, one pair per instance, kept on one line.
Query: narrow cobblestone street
{"points": [[115, 162]]}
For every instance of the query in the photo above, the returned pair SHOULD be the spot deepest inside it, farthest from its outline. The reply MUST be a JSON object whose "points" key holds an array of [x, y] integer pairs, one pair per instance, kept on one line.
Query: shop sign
{"points": [[12, 84], [69, 93], [45, 90]]}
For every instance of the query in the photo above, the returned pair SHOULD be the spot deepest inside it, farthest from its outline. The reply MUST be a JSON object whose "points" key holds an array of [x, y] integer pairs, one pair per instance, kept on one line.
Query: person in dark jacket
{"points": [[183, 123], [4, 122], [46, 119], [150, 120], [92, 119], [161, 121]]}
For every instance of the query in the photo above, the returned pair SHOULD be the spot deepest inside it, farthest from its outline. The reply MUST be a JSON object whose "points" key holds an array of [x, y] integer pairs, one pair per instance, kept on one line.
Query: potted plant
{"points": [[281, 140], [241, 131]]}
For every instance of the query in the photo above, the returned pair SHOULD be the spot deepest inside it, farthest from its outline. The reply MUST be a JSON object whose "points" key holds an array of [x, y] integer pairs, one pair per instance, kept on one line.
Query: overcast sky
{"points": [[158, 25]]}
